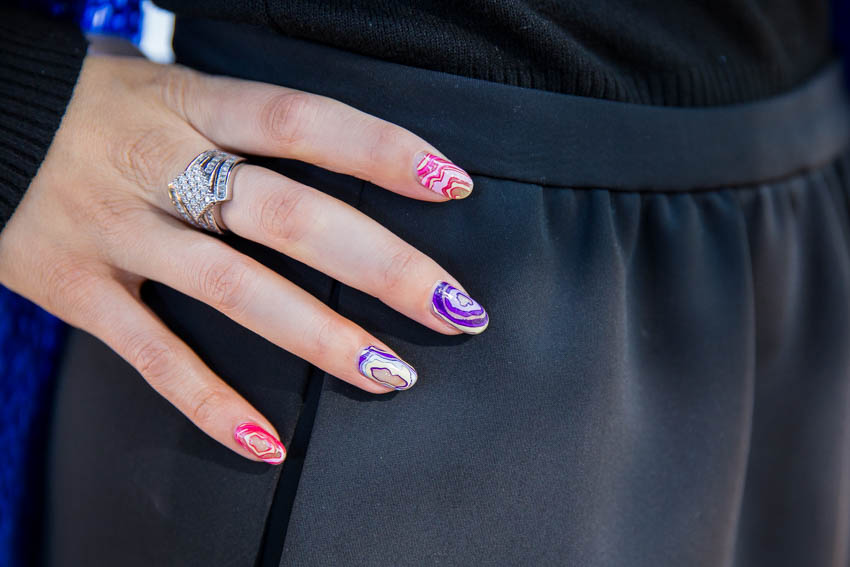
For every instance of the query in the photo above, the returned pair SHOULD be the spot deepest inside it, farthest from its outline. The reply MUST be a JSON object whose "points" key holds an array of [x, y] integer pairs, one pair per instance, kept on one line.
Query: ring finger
{"points": [[261, 300]]}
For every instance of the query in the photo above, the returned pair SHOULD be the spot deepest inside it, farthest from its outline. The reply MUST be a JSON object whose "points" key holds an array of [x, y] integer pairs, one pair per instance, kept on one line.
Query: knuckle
{"points": [[385, 137], [112, 216], [177, 86], [286, 117], [328, 335], [69, 285], [284, 216], [205, 405], [397, 270], [153, 357], [224, 285], [143, 155]]}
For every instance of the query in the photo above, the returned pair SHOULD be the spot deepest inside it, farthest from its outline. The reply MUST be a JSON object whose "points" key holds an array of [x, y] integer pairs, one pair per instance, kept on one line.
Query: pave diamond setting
{"points": [[203, 185]]}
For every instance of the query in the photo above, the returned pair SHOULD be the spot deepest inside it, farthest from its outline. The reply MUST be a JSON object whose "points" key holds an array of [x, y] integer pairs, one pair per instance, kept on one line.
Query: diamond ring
{"points": [[205, 183]]}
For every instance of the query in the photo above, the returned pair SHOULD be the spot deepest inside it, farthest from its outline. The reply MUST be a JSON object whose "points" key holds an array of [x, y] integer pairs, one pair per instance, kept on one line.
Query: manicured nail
{"points": [[442, 176], [386, 369], [260, 442], [458, 309]]}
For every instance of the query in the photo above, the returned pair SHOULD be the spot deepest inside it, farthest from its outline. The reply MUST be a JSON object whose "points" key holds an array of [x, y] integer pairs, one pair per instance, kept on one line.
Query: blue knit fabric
{"points": [[30, 339], [121, 18]]}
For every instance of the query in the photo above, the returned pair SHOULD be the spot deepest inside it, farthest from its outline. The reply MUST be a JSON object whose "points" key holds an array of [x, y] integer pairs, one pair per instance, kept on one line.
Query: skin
{"points": [[96, 222]]}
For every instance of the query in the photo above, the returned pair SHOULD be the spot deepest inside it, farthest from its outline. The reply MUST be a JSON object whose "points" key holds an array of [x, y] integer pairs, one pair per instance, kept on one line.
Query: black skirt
{"points": [[664, 381]]}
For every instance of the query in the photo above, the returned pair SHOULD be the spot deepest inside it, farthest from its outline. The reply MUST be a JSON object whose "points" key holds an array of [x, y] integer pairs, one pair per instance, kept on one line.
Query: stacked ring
{"points": [[202, 187]]}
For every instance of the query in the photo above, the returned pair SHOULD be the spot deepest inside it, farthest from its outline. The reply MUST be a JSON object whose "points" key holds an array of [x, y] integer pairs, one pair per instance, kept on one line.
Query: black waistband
{"points": [[544, 137]]}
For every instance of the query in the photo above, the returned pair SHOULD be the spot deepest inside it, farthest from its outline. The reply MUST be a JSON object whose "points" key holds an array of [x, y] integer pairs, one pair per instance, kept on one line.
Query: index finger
{"points": [[263, 119]]}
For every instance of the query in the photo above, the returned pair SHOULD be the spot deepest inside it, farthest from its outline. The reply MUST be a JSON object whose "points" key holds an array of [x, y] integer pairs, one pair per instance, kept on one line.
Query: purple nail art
{"points": [[386, 369], [461, 311]]}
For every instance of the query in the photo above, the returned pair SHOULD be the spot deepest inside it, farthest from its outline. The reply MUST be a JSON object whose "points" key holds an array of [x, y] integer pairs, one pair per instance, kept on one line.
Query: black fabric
{"points": [[40, 60], [665, 378], [635, 147], [670, 52]]}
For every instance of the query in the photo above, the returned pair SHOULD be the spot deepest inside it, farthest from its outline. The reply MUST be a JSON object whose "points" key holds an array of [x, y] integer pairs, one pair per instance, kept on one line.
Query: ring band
{"points": [[202, 187]]}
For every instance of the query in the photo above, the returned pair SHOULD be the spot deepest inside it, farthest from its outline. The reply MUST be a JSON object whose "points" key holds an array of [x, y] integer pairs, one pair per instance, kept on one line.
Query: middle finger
{"points": [[340, 241]]}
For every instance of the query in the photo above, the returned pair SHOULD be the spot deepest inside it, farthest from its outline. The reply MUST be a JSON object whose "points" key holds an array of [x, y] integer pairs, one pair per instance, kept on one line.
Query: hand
{"points": [[97, 221]]}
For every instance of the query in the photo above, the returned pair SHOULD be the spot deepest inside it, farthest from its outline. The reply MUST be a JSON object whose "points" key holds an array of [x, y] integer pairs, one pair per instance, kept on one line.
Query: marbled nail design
{"points": [[260, 442], [386, 369], [461, 311], [443, 177]]}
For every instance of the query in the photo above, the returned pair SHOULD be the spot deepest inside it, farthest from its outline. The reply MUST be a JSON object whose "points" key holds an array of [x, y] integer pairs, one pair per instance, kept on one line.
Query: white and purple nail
{"points": [[386, 369], [458, 309]]}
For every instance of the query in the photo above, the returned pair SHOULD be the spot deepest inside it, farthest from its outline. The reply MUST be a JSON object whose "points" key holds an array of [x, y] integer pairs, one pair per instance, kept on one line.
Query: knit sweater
{"points": [[669, 52], [664, 52]]}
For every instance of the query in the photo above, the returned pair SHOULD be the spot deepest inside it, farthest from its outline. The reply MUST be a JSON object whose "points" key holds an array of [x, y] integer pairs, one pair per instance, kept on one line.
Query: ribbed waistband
{"points": [[543, 137]]}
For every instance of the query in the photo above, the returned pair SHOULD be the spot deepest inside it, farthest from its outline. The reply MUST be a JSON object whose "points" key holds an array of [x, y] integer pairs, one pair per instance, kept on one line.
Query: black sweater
{"points": [[667, 52]]}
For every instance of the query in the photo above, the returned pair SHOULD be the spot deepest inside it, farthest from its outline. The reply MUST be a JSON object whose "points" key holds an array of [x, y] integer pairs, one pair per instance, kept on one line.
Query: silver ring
{"points": [[202, 187]]}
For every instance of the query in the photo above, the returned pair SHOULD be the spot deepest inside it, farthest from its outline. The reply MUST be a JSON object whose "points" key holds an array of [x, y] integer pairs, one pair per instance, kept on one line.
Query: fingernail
{"points": [[442, 176], [260, 442], [386, 369], [458, 309]]}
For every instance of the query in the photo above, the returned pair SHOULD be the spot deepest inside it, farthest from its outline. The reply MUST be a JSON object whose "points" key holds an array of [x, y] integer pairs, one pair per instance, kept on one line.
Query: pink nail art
{"points": [[443, 177], [260, 442]]}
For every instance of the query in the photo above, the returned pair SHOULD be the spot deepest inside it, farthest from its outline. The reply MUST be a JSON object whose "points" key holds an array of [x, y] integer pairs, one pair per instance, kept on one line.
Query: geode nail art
{"points": [[260, 442], [386, 369], [461, 311], [443, 177]]}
